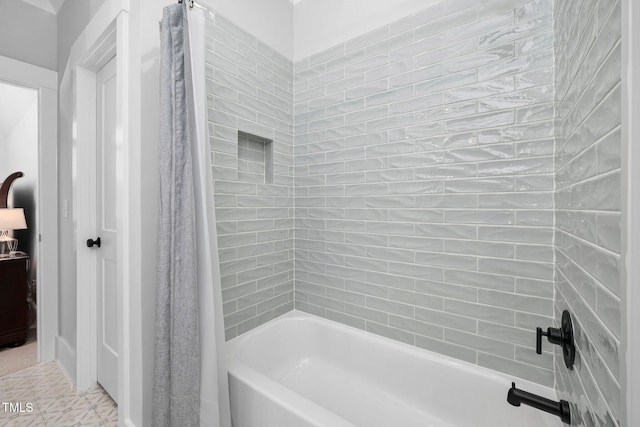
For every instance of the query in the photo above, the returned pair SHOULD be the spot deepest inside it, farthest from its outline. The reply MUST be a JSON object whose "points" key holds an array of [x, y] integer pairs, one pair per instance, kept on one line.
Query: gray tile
{"points": [[367, 39], [480, 312], [446, 82], [448, 51], [480, 280], [366, 289], [345, 319], [327, 55], [388, 44], [390, 96], [446, 231], [482, 248], [529, 200], [515, 65], [609, 231], [420, 46], [535, 270], [417, 299], [481, 89], [393, 333], [442, 347], [447, 290], [417, 243], [415, 326], [481, 57], [447, 320], [510, 334], [367, 314], [460, 176], [480, 185], [487, 345], [521, 303], [390, 280], [518, 369], [453, 19], [485, 23], [540, 288], [461, 262], [417, 19], [390, 307], [367, 90], [481, 121]]}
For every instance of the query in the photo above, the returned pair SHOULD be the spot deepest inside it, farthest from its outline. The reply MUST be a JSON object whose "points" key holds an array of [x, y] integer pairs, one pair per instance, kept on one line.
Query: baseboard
{"points": [[66, 357]]}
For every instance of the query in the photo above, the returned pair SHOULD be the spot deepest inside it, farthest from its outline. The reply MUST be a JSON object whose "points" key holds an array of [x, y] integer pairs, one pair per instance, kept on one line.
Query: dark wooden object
{"points": [[6, 185], [13, 300]]}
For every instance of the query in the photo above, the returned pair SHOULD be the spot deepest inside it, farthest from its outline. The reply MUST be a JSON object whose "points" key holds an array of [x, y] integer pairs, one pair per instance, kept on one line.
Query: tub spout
{"points": [[561, 409]]}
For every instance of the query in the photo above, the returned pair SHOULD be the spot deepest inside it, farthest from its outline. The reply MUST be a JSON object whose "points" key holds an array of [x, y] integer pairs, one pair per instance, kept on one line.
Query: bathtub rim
{"points": [[233, 347], [286, 398]]}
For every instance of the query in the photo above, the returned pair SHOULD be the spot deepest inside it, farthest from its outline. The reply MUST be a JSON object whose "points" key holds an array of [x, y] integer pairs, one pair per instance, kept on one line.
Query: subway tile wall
{"points": [[250, 90], [588, 193], [424, 182]]}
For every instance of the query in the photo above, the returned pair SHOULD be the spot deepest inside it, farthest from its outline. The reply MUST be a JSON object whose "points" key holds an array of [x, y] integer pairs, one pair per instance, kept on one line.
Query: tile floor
{"points": [[53, 401]]}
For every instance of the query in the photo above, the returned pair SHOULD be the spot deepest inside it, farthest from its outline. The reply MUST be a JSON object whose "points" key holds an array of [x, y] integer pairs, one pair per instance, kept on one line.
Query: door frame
{"points": [[84, 208], [107, 35], [46, 83], [630, 301], [630, 354]]}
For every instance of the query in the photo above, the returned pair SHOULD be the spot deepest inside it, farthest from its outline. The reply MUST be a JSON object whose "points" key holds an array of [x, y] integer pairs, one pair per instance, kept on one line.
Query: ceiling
{"points": [[14, 102], [51, 6]]}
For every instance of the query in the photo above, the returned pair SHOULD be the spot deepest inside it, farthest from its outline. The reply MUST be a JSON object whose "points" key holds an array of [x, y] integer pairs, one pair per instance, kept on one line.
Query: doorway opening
{"points": [[19, 120]]}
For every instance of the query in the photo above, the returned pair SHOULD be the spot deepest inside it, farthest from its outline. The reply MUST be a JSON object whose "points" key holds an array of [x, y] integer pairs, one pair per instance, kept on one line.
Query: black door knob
{"points": [[91, 242]]}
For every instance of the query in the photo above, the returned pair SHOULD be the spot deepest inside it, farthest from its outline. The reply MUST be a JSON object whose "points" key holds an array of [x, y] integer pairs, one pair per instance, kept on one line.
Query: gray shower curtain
{"points": [[176, 389]]}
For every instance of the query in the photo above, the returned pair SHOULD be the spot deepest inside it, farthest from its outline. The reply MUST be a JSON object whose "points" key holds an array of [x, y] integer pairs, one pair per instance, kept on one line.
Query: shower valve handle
{"points": [[554, 335], [562, 336]]}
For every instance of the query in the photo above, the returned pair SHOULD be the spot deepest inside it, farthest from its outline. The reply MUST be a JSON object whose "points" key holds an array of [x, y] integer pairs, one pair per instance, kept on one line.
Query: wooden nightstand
{"points": [[13, 299]]}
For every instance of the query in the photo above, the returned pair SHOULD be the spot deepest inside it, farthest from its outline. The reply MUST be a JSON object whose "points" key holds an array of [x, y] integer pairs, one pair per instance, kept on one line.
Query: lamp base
{"points": [[8, 245], [13, 246]]}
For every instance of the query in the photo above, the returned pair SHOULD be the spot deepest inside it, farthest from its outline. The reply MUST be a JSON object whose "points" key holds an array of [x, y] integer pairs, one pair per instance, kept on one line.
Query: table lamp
{"points": [[10, 219]]}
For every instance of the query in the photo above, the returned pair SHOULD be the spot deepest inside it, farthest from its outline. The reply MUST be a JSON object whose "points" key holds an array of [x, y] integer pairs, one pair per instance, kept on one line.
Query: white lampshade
{"points": [[12, 219]]}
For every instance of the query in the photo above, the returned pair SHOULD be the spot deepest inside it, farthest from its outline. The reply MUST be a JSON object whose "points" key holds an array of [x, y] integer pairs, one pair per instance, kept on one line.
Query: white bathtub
{"points": [[300, 370]]}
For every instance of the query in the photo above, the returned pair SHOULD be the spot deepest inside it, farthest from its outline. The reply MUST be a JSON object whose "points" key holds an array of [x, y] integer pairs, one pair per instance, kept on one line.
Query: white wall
{"points": [[270, 21], [28, 34], [321, 24], [21, 150], [73, 17], [3, 160], [21, 154]]}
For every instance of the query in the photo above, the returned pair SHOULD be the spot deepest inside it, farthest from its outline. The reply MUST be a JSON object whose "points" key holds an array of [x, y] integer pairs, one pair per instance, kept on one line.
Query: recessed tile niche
{"points": [[255, 159]]}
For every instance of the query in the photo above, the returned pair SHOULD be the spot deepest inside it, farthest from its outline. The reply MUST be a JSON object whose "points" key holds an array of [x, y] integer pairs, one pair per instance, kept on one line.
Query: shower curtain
{"points": [[190, 376]]}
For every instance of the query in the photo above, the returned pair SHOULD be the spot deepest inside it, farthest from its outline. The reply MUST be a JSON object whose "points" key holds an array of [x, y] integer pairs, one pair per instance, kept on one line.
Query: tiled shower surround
{"points": [[417, 167], [587, 201], [249, 95], [424, 182]]}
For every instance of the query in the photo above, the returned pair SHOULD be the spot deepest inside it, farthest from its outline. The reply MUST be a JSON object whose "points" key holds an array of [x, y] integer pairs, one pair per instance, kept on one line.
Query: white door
{"points": [[106, 224]]}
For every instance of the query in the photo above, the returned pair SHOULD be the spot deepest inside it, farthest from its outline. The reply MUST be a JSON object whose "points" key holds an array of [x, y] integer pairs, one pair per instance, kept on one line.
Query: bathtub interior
{"points": [[373, 381]]}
